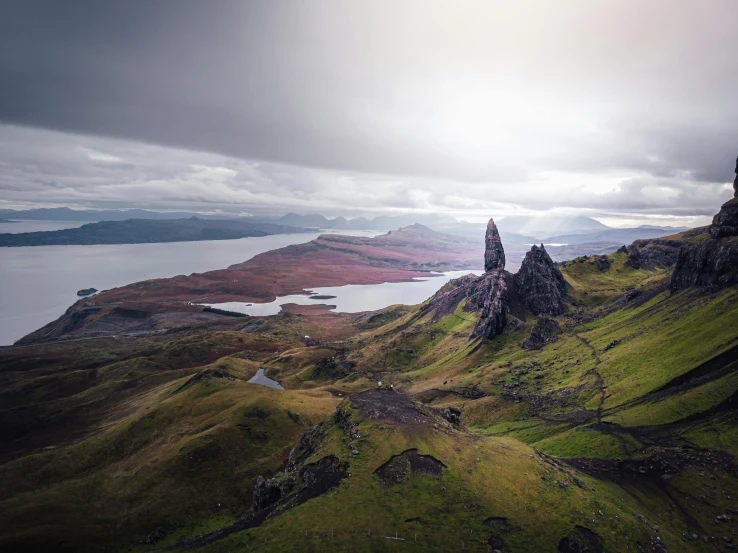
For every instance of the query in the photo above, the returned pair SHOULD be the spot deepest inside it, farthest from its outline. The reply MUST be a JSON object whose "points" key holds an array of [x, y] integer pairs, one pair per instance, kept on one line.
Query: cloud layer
{"points": [[622, 109]]}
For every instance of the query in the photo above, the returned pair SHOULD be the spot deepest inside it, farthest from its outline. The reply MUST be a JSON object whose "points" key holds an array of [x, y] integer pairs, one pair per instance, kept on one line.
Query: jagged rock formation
{"points": [[602, 262], [735, 182], [725, 223], [492, 295], [711, 258], [542, 333], [540, 284], [494, 254], [634, 257]]}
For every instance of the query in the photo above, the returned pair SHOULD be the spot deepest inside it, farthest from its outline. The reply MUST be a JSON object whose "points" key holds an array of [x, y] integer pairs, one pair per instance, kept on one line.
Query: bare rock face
{"points": [[735, 182], [540, 284], [634, 257], [543, 332], [710, 259], [491, 294], [725, 223], [494, 254]]}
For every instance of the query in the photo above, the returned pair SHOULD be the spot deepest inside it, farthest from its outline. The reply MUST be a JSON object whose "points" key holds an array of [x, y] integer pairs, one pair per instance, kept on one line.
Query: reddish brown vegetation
{"points": [[330, 260]]}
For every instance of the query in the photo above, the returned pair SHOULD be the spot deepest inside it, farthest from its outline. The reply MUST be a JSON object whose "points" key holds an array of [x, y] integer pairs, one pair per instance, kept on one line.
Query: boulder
{"points": [[494, 254], [453, 414], [581, 540], [540, 284], [543, 332], [603, 263]]}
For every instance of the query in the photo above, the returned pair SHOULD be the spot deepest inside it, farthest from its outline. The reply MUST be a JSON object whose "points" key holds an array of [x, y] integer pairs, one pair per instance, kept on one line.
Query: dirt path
{"points": [[597, 375]]}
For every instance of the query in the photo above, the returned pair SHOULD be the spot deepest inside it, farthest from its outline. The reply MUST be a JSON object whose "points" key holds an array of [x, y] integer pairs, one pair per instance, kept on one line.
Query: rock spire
{"points": [[540, 284], [494, 254], [735, 182]]}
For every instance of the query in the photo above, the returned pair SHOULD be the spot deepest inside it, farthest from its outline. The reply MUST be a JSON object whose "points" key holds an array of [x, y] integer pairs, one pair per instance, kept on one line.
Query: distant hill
{"points": [[382, 222], [548, 225], [141, 231], [620, 235], [67, 214]]}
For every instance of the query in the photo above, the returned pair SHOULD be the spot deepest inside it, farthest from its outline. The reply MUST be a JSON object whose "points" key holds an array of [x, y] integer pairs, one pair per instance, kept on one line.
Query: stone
{"points": [[540, 284], [634, 257], [542, 333], [494, 254], [735, 182], [725, 223], [710, 260], [491, 295], [452, 414], [581, 540], [602, 262]]}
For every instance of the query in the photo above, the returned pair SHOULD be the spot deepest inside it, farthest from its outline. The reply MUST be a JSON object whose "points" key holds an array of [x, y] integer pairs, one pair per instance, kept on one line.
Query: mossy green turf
{"points": [[483, 478], [110, 441]]}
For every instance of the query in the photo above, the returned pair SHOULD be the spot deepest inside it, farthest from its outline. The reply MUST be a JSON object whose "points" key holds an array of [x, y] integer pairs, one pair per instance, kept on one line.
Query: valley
{"points": [[594, 411]]}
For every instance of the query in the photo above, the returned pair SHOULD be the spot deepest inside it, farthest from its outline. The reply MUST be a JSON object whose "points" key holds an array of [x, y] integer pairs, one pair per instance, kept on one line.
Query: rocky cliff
{"points": [[710, 258], [540, 284]]}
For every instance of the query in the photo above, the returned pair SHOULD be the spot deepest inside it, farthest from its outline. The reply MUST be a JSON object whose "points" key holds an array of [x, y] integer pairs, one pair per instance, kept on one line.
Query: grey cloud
{"points": [[415, 88], [52, 168], [613, 107]]}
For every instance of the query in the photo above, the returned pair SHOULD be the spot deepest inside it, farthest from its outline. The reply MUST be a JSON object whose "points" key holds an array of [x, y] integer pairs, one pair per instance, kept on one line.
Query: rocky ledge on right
{"points": [[710, 258]]}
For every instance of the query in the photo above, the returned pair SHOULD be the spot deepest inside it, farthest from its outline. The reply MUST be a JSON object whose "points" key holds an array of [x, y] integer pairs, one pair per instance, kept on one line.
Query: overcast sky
{"points": [[624, 110]]}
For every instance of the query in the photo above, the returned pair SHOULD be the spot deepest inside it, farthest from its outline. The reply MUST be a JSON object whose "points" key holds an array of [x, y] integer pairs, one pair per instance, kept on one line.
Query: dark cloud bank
{"points": [[622, 109]]}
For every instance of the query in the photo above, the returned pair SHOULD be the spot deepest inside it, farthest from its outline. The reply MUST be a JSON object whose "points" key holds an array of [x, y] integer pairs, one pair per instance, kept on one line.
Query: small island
{"points": [[86, 292]]}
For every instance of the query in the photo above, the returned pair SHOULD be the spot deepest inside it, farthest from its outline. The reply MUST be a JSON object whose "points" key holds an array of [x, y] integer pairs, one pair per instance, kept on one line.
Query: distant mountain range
{"points": [[382, 222], [550, 229], [67, 214], [142, 231], [548, 225]]}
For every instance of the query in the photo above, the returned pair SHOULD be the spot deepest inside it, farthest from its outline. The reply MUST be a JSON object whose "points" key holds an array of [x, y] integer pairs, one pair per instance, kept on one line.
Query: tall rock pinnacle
{"points": [[735, 182], [494, 254]]}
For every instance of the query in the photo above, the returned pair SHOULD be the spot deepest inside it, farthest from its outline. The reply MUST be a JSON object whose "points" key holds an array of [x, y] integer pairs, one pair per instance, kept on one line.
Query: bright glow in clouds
{"points": [[618, 109]]}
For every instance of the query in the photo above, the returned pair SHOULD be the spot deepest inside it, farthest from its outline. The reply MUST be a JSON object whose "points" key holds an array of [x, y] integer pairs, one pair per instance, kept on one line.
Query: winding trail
{"points": [[597, 375]]}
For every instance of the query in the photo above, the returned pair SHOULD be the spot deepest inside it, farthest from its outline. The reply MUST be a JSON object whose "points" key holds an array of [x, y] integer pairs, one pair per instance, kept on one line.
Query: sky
{"points": [[621, 110]]}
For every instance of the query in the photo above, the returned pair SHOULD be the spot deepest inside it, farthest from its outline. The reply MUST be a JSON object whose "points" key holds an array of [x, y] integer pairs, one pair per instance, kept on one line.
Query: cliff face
{"points": [[711, 258], [540, 284]]}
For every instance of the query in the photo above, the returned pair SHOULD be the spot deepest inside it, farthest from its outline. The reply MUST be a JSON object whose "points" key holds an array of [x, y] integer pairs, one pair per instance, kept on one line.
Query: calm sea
{"points": [[37, 284]]}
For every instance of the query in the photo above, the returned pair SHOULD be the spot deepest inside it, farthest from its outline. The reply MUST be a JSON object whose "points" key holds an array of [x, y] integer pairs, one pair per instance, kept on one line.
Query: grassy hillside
{"points": [[623, 427]]}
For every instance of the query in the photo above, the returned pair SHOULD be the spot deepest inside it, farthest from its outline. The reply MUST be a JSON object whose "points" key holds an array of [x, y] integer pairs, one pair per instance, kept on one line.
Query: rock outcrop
{"points": [[711, 258], [543, 332], [494, 254], [494, 295], [725, 223], [735, 182], [634, 257], [539, 287], [540, 284]]}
